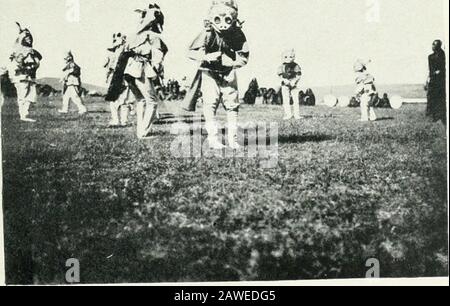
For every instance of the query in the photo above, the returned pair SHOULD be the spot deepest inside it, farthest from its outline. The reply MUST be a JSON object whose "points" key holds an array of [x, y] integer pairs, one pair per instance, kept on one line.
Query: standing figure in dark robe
{"points": [[436, 84]]}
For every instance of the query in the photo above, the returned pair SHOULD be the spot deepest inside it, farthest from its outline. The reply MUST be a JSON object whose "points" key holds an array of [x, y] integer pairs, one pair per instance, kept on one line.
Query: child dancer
{"points": [[290, 74], [365, 91]]}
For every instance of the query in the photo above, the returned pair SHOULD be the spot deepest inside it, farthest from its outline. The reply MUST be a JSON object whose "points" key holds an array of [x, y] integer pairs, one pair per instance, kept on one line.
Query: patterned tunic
{"points": [[233, 44]]}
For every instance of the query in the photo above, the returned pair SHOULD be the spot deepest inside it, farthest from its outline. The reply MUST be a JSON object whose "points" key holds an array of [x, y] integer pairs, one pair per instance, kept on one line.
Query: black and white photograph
{"points": [[223, 141]]}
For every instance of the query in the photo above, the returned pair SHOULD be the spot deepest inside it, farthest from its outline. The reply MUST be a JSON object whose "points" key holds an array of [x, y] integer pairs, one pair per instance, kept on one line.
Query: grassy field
{"points": [[342, 192]]}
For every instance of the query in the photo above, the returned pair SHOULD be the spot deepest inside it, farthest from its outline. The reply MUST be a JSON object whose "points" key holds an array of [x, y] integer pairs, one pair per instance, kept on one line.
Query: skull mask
{"points": [[118, 40], [223, 15], [151, 19], [289, 56]]}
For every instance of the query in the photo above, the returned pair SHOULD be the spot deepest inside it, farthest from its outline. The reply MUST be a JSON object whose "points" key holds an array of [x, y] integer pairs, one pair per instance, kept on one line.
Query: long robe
{"points": [[437, 95]]}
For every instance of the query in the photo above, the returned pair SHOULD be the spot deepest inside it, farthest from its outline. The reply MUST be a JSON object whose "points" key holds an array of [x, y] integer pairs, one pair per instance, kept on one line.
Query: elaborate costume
{"points": [[366, 91], [72, 85], [24, 63], [120, 108], [290, 74], [144, 71], [220, 49]]}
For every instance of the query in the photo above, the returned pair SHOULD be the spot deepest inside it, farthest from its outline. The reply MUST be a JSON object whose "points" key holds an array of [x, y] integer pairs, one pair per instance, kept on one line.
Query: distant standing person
{"points": [[436, 84], [72, 85]]}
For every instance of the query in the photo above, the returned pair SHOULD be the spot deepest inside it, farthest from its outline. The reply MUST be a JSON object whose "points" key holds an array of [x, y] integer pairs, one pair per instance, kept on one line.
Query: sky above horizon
{"points": [[327, 35]]}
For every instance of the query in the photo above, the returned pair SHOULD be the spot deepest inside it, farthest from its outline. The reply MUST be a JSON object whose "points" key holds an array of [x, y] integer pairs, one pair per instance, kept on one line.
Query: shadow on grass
{"points": [[385, 119], [115, 128], [99, 111], [291, 139], [171, 119], [67, 118]]}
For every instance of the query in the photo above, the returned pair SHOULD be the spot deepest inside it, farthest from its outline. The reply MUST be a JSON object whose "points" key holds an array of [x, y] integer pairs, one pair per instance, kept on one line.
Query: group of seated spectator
{"points": [[172, 91], [256, 95], [377, 102]]}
